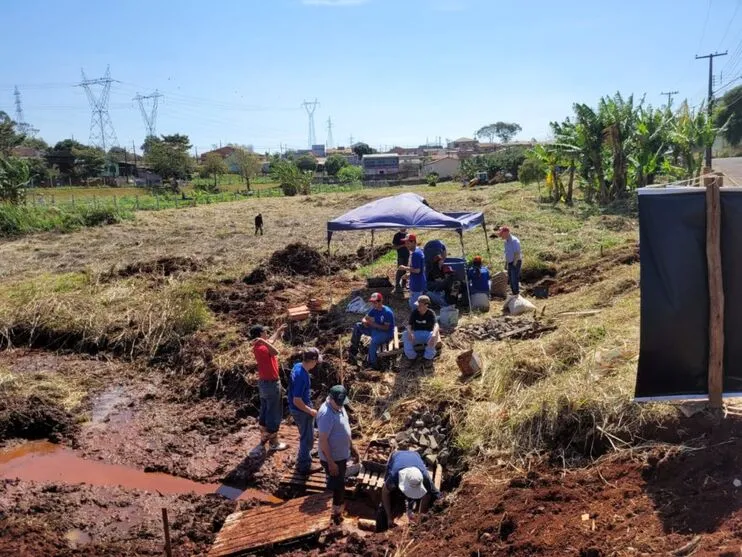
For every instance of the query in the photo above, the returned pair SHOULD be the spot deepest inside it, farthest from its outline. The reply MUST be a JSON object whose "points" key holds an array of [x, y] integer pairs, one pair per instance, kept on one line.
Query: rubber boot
{"points": [[337, 513]]}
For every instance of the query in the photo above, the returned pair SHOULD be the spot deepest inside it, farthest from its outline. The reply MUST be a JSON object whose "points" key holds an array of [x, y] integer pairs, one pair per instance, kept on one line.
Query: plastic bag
{"points": [[518, 305]]}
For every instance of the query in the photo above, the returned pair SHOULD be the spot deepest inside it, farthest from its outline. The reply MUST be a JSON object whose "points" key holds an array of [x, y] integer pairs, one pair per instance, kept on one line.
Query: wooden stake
{"points": [[166, 525], [716, 294]]}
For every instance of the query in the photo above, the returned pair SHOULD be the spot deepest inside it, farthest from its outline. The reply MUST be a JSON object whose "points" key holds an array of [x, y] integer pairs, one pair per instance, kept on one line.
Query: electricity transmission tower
{"points": [[150, 118], [21, 125], [329, 133], [310, 107], [102, 133]]}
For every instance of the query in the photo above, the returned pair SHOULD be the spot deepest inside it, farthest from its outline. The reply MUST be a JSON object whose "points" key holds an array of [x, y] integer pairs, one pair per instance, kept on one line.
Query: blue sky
{"points": [[388, 72]]}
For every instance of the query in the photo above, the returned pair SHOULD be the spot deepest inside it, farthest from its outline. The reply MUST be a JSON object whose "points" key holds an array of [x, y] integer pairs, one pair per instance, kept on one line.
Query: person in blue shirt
{"points": [[432, 249], [378, 323], [479, 284], [407, 475], [416, 268], [300, 406], [513, 258]]}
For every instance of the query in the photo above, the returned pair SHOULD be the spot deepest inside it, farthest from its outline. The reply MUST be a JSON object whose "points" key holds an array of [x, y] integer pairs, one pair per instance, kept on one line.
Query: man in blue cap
{"points": [[335, 446]]}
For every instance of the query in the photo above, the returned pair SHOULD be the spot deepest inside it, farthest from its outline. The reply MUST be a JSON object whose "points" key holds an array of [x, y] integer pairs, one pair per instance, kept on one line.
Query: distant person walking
{"points": [[269, 385], [335, 446], [403, 257], [416, 268], [513, 258], [259, 224], [300, 405]]}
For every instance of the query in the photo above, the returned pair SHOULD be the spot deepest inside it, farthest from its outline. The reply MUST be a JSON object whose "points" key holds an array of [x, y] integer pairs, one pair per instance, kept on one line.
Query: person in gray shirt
{"points": [[335, 446]]}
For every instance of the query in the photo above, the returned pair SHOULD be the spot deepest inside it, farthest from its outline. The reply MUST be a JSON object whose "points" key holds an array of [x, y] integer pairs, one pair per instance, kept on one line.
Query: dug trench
{"points": [[174, 420]]}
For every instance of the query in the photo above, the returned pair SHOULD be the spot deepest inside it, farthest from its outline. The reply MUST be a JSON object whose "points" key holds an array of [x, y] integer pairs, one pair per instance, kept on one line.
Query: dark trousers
{"points": [[306, 440], [398, 278], [514, 277], [260, 228], [336, 484]]}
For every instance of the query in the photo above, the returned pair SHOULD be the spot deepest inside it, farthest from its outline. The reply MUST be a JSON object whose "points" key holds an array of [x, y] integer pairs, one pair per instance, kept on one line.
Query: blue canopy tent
{"points": [[406, 210]]}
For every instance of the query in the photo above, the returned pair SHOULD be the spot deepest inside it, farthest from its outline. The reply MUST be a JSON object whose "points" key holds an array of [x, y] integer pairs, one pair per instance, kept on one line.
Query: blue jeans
{"points": [[514, 277], [437, 297], [413, 298], [377, 338], [271, 409], [306, 440], [421, 337]]}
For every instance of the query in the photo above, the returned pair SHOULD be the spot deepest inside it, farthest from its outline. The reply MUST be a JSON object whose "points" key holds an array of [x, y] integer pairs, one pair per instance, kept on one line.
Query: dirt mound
{"points": [[34, 417], [245, 303], [569, 280], [164, 266], [257, 276], [301, 259]]}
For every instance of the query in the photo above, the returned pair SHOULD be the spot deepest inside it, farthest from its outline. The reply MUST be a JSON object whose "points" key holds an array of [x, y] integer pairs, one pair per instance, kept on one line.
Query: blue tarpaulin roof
{"points": [[406, 210]]}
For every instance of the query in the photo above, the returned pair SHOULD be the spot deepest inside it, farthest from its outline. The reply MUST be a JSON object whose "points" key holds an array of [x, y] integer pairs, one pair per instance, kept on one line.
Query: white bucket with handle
{"points": [[449, 317]]}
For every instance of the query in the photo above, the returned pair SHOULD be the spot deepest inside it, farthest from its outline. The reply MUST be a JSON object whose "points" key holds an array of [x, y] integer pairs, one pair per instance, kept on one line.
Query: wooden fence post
{"points": [[716, 294], [166, 526], [136, 202]]}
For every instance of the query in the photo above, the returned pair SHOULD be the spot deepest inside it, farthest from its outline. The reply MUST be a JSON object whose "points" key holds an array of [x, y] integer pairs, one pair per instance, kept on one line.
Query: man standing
{"points": [[259, 223], [407, 475], [416, 268], [403, 256], [378, 323], [335, 446], [422, 328], [300, 405], [513, 258], [269, 385]]}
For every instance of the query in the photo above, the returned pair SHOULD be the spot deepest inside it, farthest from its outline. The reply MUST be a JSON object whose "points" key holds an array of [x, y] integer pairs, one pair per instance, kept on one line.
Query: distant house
{"points": [[464, 143], [318, 150], [223, 152], [445, 167], [383, 164], [27, 153], [347, 154]]}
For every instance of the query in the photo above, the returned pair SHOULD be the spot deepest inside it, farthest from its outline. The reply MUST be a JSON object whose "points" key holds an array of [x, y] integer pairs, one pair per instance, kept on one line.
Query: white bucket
{"points": [[449, 317]]}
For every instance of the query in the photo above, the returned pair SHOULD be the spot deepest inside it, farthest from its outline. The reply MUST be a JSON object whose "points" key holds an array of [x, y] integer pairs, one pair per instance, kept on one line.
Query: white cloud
{"points": [[333, 3]]}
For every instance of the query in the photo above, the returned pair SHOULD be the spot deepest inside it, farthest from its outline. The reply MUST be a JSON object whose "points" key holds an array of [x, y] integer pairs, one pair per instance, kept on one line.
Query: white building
{"points": [[445, 167]]}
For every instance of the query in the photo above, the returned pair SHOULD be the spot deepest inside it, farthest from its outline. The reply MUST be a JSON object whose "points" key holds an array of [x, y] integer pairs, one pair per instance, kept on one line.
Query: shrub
{"points": [[350, 174]]}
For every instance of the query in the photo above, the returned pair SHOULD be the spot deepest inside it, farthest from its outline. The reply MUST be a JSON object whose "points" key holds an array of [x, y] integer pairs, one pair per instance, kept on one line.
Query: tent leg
{"points": [[463, 254], [372, 246], [486, 239]]}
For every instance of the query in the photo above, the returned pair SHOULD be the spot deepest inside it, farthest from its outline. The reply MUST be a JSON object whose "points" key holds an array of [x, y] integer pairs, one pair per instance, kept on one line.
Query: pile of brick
{"points": [[500, 328], [427, 435]]}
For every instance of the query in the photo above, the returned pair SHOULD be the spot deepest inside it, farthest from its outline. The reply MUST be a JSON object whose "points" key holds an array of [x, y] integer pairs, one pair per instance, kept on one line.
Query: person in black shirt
{"points": [[259, 223], [441, 279], [422, 328], [403, 257]]}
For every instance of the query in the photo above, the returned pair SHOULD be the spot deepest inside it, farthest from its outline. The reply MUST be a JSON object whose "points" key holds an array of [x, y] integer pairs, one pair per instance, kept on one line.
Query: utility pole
{"points": [[669, 96], [329, 133], [710, 94], [351, 140], [134, 150]]}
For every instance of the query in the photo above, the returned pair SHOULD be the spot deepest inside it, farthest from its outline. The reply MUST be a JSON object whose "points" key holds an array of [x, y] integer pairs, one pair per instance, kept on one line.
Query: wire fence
{"points": [[154, 202]]}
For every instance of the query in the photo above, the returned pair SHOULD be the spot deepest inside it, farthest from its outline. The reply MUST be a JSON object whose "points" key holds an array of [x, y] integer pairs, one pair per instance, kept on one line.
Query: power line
{"points": [[709, 108], [669, 96], [729, 25]]}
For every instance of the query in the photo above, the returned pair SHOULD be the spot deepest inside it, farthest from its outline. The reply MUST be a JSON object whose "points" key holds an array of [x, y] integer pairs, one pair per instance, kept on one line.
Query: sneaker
{"points": [[428, 365], [337, 518], [278, 447]]}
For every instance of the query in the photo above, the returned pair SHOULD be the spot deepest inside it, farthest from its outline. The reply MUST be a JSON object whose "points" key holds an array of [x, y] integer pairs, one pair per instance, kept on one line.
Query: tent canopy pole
{"points": [[463, 254], [486, 239]]}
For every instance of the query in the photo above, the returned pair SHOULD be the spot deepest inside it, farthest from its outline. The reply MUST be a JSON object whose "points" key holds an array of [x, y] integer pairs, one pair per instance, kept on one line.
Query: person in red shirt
{"points": [[269, 385]]}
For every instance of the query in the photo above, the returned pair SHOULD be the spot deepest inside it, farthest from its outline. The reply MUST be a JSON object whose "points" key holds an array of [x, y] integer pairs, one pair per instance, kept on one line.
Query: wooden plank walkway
{"points": [[247, 531]]}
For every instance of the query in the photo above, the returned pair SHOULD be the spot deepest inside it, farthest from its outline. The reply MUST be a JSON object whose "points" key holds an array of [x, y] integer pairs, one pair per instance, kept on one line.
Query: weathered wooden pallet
{"points": [[247, 531]]}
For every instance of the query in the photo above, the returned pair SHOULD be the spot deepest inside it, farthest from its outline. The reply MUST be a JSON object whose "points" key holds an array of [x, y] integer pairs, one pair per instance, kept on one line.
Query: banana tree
{"points": [[549, 158], [569, 149], [619, 116], [649, 144], [588, 140], [14, 176], [692, 132]]}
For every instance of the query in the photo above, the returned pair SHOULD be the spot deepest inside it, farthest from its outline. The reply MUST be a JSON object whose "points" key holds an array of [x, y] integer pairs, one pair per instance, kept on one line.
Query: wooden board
{"points": [[247, 531]]}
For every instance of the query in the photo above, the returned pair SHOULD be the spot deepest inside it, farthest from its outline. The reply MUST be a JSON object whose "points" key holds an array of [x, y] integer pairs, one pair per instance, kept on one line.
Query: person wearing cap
{"points": [[513, 258], [440, 281], [407, 475], [335, 446], [432, 249], [378, 324], [300, 405], [422, 328], [403, 256], [269, 385], [416, 268], [479, 284]]}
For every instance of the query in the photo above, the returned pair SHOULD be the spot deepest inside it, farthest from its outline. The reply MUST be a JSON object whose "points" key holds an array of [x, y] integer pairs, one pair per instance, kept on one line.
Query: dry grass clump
{"points": [[128, 317]]}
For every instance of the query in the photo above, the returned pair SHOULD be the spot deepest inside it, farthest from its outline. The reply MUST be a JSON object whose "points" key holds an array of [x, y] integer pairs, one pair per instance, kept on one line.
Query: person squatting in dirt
{"points": [[513, 258], [408, 478], [441, 282], [422, 328], [335, 446], [259, 224], [416, 269], [300, 406], [269, 385], [479, 284], [403, 257], [378, 324], [432, 249]]}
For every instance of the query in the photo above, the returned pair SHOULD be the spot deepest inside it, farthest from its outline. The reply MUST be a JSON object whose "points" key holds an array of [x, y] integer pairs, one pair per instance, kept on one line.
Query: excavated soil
{"points": [[164, 266], [572, 279]]}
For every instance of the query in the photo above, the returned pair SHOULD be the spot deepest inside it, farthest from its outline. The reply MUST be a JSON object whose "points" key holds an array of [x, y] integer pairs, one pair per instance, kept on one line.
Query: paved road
{"points": [[732, 168]]}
